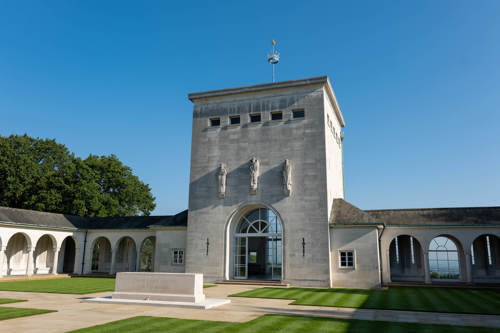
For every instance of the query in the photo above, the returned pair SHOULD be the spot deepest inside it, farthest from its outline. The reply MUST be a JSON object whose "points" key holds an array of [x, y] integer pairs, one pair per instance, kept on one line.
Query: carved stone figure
{"points": [[221, 175], [286, 178], [254, 175]]}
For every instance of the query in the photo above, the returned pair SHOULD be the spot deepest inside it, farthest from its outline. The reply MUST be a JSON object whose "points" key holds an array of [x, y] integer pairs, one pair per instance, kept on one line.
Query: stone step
{"points": [[266, 283]]}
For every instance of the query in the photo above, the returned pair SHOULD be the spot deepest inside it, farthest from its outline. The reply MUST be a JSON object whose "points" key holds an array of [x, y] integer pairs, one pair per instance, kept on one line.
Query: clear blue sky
{"points": [[418, 83]]}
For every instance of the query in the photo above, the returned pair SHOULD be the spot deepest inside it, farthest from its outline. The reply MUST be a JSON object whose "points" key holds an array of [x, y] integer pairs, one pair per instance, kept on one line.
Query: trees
{"points": [[41, 174]]}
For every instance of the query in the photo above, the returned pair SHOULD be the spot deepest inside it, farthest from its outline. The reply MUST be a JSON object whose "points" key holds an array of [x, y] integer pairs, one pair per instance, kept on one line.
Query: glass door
{"points": [[273, 264], [241, 257]]}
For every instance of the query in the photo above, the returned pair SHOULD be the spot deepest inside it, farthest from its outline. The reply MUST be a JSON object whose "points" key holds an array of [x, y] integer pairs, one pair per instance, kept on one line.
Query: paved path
{"points": [[73, 314]]}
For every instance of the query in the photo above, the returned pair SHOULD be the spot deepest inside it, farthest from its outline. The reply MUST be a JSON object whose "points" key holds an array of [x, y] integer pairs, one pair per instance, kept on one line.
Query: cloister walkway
{"points": [[73, 314]]}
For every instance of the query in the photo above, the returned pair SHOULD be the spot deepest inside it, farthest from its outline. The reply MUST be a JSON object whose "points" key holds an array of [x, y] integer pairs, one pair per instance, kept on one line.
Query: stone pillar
{"points": [[427, 274], [3, 261], [112, 269], [138, 262], [468, 268], [30, 266], [386, 271], [56, 260]]}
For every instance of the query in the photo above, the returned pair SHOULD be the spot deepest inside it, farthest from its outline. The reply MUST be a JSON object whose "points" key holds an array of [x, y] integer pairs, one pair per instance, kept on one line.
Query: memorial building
{"points": [[266, 202]]}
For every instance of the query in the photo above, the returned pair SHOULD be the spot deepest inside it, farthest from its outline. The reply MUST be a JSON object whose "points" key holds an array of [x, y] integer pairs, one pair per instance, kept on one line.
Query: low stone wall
{"points": [[174, 287]]}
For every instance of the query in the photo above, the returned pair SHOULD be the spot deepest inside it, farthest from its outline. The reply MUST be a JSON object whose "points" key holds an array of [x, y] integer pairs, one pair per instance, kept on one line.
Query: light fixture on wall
{"points": [[303, 247], [208, 244]]}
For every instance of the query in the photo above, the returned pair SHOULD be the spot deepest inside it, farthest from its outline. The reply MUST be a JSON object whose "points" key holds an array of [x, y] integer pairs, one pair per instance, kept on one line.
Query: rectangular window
{"points": [[177, 256], [346, 259], [255, 118], [278, 115], [215, 122], [235, 120], [297, 114]]}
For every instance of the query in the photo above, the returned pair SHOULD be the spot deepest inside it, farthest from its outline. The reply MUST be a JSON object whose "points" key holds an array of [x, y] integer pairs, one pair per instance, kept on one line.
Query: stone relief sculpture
{"points": [[286, 177], [221, 175], [254, 175]]}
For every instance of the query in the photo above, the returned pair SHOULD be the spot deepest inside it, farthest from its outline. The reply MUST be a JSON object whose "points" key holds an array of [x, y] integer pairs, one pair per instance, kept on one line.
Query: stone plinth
{"points": [[170, 287]]}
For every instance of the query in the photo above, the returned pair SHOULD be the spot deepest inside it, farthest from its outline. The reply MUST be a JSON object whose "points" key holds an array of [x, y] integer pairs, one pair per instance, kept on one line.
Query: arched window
{"points": [[258, 246], [443, 259]]}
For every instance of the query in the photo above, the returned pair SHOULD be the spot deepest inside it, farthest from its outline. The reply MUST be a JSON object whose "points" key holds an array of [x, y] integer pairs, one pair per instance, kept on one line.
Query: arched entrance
{"points": [[44, 255], [67, 256], [17, 255], [257, 250], [101, 256], [485, 256], [147, 254], [126, 255], [444, 259], [405, 255]]}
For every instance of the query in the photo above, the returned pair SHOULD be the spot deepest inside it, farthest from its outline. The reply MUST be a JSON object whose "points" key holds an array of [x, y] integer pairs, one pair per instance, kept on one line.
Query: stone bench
{"points": [[170, 287]]}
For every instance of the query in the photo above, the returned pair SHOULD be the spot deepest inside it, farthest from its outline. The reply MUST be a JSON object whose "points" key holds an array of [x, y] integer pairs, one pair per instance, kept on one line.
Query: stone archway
{"points": [[126, 255], [101, 256], [147, 255], [445, 259], [406, 259], [485, 257], [67, 256], [44, 255], [256, 245], [17, 253]]}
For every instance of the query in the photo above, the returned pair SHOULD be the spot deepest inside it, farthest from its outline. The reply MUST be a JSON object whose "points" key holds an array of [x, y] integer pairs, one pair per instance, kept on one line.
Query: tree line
{"points": [[42, 174]]}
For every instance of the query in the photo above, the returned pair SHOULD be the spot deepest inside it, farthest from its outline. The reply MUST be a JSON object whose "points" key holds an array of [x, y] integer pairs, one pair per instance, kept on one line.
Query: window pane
{"points": [[215, 122], [298, 114], [235, 120], [276, 115], [255, 118]]}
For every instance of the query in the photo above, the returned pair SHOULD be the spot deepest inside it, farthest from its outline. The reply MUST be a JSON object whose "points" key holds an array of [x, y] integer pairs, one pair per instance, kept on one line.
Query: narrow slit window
{"points": [[215, 122], [298, 114], [255, 118], [234, 120], [277, 115]]}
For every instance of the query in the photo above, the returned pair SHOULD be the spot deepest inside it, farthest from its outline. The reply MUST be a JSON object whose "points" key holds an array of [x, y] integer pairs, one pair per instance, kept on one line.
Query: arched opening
{"points": [[444, 259], [147, 255], [126, 255], [67, 256], [101, 256], [257, 246], [405, 254], [485, 256], [44, 255], [17, 255]]}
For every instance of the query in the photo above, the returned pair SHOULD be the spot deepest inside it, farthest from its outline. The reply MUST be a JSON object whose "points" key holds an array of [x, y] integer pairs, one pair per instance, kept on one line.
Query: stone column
{"points": [[468, 268], [56, 260], [3, 261], [386, 271], [427, 274], [30, 264], [112, 269], [138, 261]]}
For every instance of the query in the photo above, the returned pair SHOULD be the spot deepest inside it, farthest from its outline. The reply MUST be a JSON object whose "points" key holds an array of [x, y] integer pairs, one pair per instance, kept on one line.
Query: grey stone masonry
{"points": [[301, 140]]}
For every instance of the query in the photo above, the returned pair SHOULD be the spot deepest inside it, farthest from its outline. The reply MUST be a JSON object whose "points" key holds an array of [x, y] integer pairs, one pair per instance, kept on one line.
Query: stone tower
{"points": [[264, 152]]}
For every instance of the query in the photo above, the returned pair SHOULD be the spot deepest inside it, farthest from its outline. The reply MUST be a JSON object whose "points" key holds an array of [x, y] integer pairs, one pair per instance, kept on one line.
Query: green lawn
{"points": [[395, 298], [10, 300], [8, 313], [61, 286], [273, 323]]}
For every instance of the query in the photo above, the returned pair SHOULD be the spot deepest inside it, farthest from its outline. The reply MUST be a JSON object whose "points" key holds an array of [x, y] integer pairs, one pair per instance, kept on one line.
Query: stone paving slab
{"points": [[73, 313]]}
